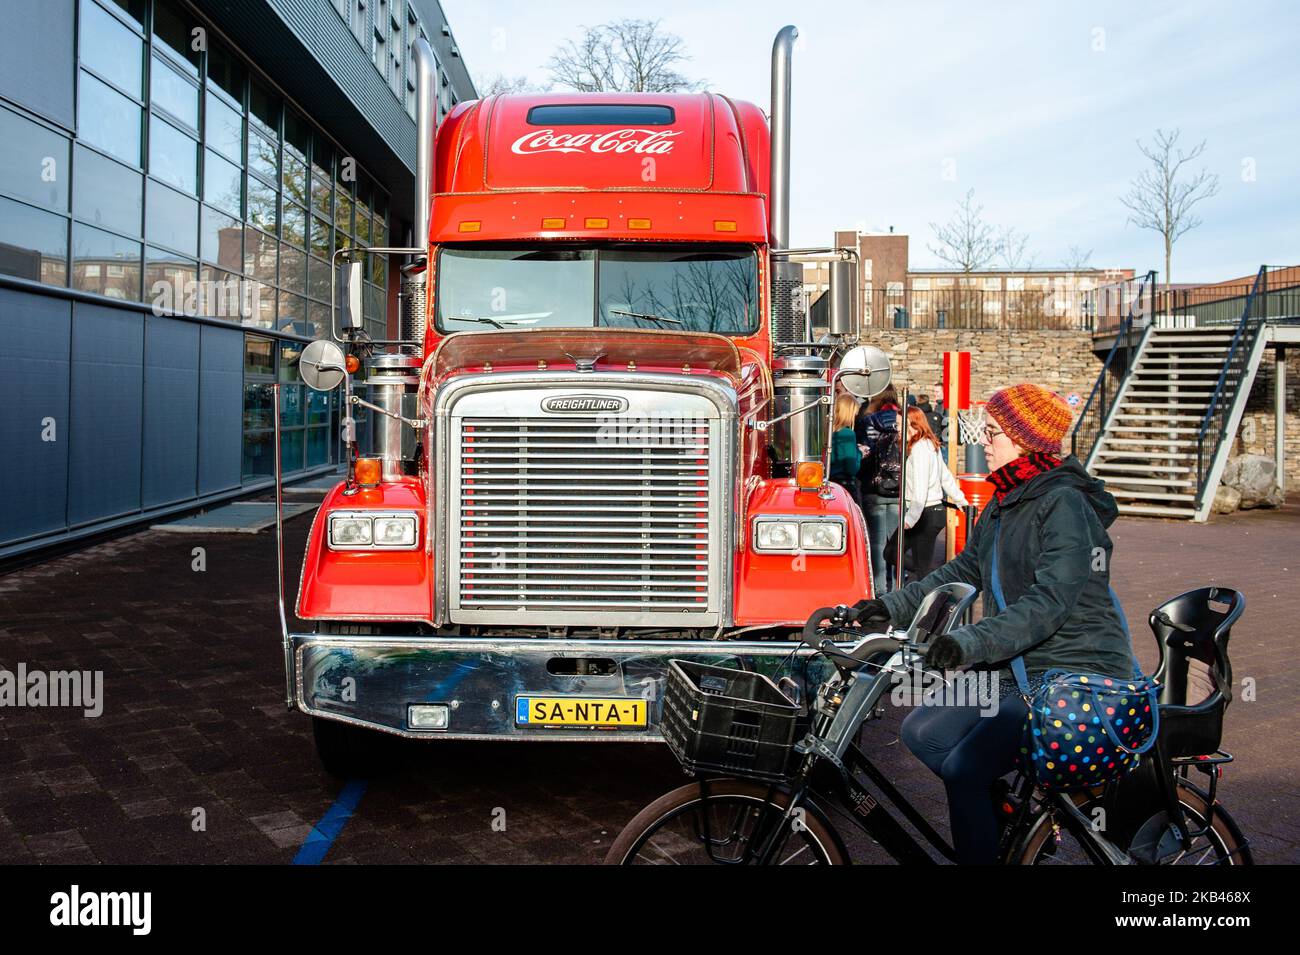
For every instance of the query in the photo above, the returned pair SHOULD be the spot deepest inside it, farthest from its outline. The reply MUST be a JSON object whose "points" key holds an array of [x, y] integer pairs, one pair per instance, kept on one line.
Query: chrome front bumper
{"points": [[371, 681]]}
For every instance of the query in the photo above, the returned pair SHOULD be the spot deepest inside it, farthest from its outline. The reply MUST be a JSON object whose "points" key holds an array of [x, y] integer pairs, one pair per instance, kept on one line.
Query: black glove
{"points": [[944, 653], [869, 614]]}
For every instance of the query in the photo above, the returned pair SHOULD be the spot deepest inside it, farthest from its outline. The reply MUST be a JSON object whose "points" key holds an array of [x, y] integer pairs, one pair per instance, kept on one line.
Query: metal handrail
{"points": [[1099, 386], [1221, 402]]}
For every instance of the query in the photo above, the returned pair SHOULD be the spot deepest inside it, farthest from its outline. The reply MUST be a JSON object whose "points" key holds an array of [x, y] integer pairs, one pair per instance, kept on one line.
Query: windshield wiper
{"points": [[647, 317], [494, 322]]}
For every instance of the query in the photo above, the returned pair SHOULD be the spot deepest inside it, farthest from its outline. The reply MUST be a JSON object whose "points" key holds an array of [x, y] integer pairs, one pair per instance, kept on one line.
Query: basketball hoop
{"points": [[970, 425]]}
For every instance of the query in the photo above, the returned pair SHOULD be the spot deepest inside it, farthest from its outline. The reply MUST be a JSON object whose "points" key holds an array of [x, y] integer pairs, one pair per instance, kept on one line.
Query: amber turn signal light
{"points": [[353, 364], [367, 471], [808, 475]]}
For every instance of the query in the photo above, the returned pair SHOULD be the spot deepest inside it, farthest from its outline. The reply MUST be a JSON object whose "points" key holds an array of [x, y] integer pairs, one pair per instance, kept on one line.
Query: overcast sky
{"points": [[900, 107]]}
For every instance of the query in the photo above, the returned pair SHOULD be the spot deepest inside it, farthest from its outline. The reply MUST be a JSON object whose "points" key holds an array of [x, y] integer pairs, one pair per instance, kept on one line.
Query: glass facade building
{"points": [[173, 183]]}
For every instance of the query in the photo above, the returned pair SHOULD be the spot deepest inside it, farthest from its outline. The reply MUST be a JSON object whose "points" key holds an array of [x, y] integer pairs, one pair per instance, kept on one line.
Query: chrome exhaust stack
{"points": [[414, 291]]}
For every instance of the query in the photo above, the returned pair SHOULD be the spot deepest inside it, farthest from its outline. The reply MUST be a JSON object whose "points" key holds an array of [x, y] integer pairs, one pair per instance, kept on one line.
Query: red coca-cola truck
{"points": [[601, 439]]}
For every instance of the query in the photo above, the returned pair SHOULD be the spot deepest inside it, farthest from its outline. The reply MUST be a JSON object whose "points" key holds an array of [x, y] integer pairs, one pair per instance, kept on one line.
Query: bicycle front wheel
{"points": [[729, 826], [1221, 844]]}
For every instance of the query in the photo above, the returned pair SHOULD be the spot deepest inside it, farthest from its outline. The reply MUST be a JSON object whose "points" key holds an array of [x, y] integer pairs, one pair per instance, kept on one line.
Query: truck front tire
{"points": [[353, 752]]}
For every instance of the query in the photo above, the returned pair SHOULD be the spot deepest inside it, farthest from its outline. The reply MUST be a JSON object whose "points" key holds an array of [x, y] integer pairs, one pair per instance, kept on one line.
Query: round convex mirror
{"points": [[322, 365], [865, 371]]}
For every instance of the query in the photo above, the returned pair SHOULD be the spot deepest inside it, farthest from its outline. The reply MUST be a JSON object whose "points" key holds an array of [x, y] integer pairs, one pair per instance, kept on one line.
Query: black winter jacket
{"points": [[1054, 567]]}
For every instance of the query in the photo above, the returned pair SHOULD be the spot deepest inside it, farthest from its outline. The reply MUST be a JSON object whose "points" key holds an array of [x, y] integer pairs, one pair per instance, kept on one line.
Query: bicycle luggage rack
{"points": [[717, 720]]}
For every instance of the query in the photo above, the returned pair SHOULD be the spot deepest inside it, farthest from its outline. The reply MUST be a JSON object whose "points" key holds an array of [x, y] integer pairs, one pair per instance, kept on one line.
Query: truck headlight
{"points": [[776, 535], [382, 530], [792, 534], [816, 535], [394, 531], [347, 530]]}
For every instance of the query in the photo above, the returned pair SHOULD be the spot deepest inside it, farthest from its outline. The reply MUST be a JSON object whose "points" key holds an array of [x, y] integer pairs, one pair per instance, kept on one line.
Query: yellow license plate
{"points": [[580, 711]]}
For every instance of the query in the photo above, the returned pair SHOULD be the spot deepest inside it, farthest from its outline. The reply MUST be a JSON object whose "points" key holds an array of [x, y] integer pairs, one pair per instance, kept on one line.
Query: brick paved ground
{"points": [[193, 719]]}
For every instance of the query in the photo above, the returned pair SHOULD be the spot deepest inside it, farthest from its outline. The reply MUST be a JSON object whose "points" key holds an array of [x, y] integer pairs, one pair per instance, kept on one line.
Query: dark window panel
{"points": [[322, 155], [109, 48], [293, 314], [132, 8], [33, 243], [173, 30], [343, 214], [33, 162], [173, 156], [107, 194], [105, 263], [174, 93], [318, 279], [223, 294], [107, 119], [297, 134], [226, 72], [291, 448], [261, 305], [264, 108], [259, 356], [171, 219]]}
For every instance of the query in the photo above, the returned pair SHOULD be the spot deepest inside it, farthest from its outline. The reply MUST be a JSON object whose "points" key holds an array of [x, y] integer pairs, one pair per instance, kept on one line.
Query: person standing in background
{"points": [[879, 476], [928, 480], [845, 456]]}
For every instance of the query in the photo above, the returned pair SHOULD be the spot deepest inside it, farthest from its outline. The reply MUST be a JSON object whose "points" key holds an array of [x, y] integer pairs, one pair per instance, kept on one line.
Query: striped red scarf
{"points": [[1020, 470]]}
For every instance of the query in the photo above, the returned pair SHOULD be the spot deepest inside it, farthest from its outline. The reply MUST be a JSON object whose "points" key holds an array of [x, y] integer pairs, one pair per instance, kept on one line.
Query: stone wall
{"points": [[1255, 436], [1062, 361]]}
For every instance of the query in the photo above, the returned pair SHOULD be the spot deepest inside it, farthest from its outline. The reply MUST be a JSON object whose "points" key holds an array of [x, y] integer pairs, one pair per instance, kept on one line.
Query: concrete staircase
{"points": [[1147, 451]]}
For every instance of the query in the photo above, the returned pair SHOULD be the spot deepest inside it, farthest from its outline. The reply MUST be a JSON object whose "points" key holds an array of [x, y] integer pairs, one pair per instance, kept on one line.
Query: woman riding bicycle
{"points": [[1048, 521]]}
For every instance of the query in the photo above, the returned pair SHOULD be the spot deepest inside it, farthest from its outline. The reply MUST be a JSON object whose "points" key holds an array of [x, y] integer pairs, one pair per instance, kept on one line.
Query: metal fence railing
{"points": [[1214, 424], [978, 309], [1091, 421]]}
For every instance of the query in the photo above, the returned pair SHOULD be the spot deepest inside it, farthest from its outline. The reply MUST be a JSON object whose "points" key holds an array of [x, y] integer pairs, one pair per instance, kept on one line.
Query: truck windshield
{"points": [[676, 288]]}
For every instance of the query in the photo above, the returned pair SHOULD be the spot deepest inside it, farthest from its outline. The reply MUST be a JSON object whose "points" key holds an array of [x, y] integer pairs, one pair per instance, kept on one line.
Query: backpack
{"points": [[882, 470]]}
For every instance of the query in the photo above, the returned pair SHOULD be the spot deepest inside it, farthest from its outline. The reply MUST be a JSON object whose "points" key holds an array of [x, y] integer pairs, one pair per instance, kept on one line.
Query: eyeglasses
{"points": [[990, 434]]}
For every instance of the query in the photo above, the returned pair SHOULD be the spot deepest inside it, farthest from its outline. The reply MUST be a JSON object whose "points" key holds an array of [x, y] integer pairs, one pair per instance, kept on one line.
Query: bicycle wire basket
{"points": [[732, 722]]}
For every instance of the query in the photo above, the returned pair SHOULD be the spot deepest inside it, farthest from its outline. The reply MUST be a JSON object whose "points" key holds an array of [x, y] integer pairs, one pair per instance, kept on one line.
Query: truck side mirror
{"points": [[865, 371], [354, 288], [322, 365], [844, 298]]}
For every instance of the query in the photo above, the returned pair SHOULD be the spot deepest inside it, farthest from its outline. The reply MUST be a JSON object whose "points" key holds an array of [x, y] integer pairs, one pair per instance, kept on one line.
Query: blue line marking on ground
{"points": [[324, 833]]}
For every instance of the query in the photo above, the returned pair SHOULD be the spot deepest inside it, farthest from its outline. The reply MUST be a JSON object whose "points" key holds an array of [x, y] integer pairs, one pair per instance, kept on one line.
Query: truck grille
{"points": [[550, 514]]}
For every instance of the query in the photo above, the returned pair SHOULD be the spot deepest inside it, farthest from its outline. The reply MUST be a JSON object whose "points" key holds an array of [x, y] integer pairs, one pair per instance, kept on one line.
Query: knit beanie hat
{"points": [[1033, 417]]}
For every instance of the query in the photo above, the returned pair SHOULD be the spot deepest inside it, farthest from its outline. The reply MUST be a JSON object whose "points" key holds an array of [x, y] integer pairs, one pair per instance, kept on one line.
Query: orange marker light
{"points": [[552, 223], [353, 364], [808, 475], [470, 226], [638, 223], [367, 471], [597, 223], [723, 225]]}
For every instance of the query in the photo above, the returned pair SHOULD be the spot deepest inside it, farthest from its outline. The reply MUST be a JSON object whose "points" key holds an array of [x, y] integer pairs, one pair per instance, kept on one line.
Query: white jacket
{"points": [[928, 478]]}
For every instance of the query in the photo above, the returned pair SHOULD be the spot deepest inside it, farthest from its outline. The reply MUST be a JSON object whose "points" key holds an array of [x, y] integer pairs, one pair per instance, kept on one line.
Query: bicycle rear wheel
{"points": [[728, 827], [1222, 844]]}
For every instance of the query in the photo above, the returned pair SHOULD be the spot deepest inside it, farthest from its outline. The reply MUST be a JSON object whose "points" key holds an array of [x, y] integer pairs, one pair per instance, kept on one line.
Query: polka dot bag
{"points": [[1086, 729]]}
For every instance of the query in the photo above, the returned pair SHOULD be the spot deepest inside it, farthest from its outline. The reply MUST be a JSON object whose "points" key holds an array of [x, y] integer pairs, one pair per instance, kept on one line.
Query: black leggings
{"points": [[969, 752], [919, 541]]}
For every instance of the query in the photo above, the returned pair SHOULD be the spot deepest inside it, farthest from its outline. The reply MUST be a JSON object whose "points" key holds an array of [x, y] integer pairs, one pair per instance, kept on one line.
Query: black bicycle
{"points": [[770, 775]]}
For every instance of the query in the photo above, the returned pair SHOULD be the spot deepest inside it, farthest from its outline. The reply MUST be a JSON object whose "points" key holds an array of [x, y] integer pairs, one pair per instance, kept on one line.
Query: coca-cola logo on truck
{"points": [[657, 142]]}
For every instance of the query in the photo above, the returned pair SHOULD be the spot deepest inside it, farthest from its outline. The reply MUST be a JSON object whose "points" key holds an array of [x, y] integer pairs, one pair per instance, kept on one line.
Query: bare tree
{"points": [[1077, 259], [965, 241], [628, 56], [1162, 196], [1013, 249], [500, 83]]}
